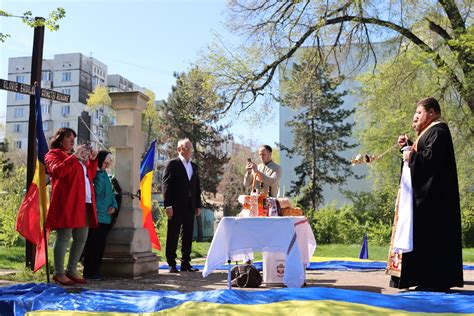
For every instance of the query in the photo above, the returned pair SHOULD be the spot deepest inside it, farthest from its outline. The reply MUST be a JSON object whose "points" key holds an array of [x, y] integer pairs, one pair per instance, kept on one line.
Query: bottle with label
{"points": [[262, 202], [254, 200]]}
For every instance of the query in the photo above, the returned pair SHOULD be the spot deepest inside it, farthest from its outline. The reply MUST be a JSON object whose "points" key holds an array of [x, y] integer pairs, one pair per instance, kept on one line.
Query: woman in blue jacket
{"points": [[106, 206]]}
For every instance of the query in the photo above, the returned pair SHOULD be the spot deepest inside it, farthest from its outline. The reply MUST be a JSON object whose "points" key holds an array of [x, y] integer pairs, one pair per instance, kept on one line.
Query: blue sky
{"points": [[145, 41]]}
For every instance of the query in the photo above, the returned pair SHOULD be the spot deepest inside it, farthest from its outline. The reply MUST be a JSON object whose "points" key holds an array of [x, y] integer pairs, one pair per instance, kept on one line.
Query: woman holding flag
{"points": [[72, 208]]}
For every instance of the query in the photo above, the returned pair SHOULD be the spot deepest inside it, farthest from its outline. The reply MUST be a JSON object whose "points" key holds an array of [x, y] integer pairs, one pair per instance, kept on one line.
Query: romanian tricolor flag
{"points": [[146, 179], [34, 208]]}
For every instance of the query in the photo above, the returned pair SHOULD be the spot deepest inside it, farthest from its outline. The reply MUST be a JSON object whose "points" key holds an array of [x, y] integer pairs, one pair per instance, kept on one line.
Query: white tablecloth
{"points": [[289, 235]]}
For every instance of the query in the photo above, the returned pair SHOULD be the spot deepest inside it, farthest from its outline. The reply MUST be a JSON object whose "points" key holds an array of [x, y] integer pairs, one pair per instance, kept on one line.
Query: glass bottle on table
{"points": [[262, 202], [254, 200]]}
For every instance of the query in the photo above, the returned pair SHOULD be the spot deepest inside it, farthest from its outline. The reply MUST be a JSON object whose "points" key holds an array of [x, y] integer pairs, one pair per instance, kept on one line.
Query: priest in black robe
{"points": [[435, 264]]}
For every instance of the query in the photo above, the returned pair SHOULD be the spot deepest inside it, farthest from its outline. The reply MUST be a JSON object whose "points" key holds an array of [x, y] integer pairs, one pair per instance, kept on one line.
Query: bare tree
{"points": [[275, 30]]}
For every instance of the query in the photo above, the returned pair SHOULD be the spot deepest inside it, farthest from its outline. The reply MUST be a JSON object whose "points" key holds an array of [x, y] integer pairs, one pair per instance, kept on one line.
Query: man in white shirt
{"points": [[182, 200], [268, 173]]}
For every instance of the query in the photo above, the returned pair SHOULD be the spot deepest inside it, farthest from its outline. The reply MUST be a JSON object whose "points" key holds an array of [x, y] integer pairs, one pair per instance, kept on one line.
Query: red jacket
{"points": [[67, 207]]}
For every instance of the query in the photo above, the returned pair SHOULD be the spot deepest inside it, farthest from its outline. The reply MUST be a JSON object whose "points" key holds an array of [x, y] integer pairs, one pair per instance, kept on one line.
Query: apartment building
{"points": [[118, 83], [74, 74]]}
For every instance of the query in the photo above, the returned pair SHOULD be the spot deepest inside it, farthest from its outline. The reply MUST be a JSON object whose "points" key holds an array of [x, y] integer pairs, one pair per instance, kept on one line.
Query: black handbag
{"points": [[246, 275]]}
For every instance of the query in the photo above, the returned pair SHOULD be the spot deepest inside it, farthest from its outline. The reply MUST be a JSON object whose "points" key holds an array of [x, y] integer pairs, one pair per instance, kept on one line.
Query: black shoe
{"points": [[188, 268], [173, 269]]}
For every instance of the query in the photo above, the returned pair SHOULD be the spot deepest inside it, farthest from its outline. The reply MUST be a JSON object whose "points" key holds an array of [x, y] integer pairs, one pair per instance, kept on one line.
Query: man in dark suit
{"points": [[182, 200]]}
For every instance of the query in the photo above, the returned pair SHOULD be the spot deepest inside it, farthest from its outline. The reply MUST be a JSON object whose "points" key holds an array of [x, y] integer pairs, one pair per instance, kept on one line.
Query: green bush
{"points": [[351, 230], [379, 233], [467, 220], [324, 225], [12, 191], [370, 213]]}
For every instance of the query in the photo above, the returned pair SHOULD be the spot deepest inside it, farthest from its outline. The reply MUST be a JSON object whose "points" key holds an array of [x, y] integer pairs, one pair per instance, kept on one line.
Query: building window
{"points": [[66, 91], [18, 144], [66, 76], [45, 126], [18, 112], [20, 79], [45, 108], [64, 124], [17, 128], [46, 76], [65, 110], [19, 96]]}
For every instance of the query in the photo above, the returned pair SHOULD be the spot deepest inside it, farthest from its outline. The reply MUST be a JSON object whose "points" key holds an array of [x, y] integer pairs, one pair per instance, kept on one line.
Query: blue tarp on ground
{"points": [[328, 265], [20, 299]]}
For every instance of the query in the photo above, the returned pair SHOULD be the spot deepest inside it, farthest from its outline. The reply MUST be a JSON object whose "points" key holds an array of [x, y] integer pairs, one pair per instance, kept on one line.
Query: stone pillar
{"points": [[128, 252]]}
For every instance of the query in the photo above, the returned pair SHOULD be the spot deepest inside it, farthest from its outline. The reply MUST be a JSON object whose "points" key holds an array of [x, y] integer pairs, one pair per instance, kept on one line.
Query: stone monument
{"points": [[128, 252]]}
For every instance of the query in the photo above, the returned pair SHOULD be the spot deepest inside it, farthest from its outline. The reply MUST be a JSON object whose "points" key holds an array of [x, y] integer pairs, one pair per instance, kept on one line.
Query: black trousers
{"points": [[181, 225], [94, 249]]}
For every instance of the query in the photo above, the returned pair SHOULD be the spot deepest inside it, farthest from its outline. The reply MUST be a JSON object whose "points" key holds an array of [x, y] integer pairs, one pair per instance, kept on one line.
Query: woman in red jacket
{"points": [[72, 207]]}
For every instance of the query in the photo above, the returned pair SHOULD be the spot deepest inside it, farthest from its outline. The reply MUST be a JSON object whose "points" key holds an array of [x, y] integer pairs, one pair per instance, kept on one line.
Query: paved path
{"points": [[374, 281]]}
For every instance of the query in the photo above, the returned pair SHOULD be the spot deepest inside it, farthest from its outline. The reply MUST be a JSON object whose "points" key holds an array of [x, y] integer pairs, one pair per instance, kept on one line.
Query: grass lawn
{"points": [[13, 258]]}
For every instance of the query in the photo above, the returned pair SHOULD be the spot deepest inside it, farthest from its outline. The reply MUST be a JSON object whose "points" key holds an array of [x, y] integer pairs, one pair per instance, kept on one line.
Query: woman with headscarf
{"points": [[72, 207], [106, 206]]}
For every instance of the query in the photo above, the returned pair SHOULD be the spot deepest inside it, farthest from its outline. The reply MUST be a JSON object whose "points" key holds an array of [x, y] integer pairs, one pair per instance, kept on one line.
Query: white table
{"points": [[242, 235]]}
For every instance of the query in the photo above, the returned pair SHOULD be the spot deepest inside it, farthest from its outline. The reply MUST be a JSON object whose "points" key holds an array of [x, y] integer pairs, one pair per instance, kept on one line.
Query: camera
{"points": [[87, 145]]}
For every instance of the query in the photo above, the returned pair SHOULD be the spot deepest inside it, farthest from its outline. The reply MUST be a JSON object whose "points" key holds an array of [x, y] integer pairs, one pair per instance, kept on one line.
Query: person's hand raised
{"points": [[249, 167], [402, 140], [93, 154], [82, 153]]}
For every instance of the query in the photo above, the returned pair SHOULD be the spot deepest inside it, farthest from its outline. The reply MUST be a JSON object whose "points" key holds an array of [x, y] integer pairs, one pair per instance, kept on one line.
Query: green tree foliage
{"points": [[275, 30], [12, 191], [192, 111], [386, 110], [99, 98], [27, 17], [320, 130]]}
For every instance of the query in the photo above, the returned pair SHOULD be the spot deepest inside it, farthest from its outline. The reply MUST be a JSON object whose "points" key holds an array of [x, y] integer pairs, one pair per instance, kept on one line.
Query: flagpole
{"points": [[45, 235], [36, 68]]}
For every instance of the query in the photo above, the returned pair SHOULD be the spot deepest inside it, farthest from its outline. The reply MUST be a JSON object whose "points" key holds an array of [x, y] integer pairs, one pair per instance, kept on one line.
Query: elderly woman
{"points": [[72, 207], [106, 206]]}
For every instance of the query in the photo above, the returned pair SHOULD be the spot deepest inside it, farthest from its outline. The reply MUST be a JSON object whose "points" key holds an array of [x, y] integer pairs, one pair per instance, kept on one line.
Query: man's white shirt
{"points": [[188, 166]]}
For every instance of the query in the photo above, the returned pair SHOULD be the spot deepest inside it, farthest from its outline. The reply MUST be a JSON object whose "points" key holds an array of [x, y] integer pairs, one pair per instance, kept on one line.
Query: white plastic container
{"points": [[273, 267]]}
